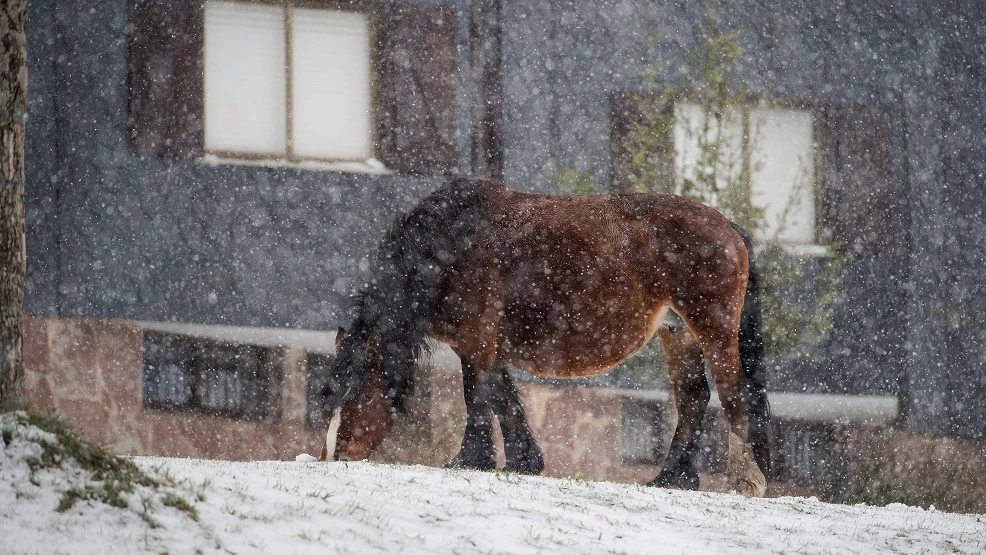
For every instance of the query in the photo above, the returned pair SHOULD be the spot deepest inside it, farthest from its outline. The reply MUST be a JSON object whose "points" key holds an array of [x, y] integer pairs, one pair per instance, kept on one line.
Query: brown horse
{"points": [[561, 287]]}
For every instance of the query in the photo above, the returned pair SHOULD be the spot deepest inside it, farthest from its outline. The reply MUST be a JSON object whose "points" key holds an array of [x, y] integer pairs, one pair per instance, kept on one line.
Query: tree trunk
{"points": [[13, 116]]}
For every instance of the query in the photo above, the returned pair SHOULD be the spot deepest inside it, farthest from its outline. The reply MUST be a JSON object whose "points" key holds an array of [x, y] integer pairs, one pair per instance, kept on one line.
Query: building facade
{"points": [[156, 194]]}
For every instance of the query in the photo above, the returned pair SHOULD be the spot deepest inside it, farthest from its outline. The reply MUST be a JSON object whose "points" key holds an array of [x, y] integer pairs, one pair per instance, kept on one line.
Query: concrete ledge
{"points": [[863, 409], [812, 407], [312, 341]]}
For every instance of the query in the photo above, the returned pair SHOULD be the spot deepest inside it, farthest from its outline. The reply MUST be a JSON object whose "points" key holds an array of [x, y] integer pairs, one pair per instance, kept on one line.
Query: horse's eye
{"points": [[331, 388], [328, 388]]}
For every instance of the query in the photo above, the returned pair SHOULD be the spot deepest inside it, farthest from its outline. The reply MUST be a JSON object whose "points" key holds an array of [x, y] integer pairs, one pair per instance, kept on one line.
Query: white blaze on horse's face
{"points": [[332, 434]]}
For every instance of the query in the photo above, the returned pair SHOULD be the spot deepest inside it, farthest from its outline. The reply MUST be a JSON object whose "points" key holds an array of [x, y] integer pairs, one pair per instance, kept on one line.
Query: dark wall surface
{"points": [[111, 234], [154, 238]]}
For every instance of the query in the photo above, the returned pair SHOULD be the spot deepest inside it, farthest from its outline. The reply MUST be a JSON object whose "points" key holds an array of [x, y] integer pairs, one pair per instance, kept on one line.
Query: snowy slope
{"points": [[290, 507], [310, 507]]}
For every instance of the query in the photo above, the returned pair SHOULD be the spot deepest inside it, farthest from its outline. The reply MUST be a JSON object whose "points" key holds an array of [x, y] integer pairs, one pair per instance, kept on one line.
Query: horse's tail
{"points": [[401, 300], [752, 362]]}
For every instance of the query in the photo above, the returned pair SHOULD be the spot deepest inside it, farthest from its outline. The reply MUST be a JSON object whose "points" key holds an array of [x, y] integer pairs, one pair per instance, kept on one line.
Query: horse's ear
{"points": [[340, 334]]}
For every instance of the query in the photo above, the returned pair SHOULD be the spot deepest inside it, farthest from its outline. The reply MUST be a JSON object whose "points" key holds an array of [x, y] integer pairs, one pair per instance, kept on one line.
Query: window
{"points": [[810, 453], [285, 82], [190, 373], [829, 166], [776, 148]]}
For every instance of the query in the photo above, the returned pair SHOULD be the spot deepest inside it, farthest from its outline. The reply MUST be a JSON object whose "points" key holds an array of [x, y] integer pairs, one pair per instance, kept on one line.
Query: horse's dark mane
{"points": [[399, 302]]}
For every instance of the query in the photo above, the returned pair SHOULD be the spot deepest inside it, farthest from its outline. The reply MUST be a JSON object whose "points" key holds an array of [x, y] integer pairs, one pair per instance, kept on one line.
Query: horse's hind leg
{"points": [[716, 332], [520, 448], [686, 372], [723, 357], [478, 450]]}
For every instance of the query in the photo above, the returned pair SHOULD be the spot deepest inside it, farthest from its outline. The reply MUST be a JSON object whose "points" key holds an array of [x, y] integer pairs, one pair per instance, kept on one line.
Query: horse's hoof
{"points": [[530, 468], [675, 480], [532, 464], [678, 472], [748, 488], [748, 480], [471, 463]]}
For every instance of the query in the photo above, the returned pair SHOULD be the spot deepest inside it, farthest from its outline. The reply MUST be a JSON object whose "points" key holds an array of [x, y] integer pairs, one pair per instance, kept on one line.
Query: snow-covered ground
{"points": [[311, 507]]}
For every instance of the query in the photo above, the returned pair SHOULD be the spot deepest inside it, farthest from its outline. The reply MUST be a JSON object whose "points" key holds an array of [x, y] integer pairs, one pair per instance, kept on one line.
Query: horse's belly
{"points": [[579, 345]]}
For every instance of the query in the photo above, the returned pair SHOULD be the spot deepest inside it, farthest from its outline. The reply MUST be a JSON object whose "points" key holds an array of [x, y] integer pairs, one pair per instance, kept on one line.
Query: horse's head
{"points": [[355, 393]]}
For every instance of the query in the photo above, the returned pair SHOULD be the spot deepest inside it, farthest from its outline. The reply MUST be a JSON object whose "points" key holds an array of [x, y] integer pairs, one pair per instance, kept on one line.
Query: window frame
{"points": [[415, 98], [858, 176], [262, 402], [373, 19]]}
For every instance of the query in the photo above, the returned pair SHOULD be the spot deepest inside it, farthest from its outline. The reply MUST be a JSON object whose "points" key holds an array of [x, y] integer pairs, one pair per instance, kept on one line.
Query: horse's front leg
{"points": [[520, 449], [473, 305], [478, 450], [686, 372]]}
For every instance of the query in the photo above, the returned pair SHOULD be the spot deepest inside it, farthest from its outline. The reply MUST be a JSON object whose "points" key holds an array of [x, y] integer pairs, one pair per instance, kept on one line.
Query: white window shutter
{"points": [[688, 130], [245, 78], [331, 104], [784, 176]]}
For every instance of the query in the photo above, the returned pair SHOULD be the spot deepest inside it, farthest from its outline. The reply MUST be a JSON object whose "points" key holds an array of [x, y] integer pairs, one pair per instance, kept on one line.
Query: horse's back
{"points": [[592, 214], [653, 231]]}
